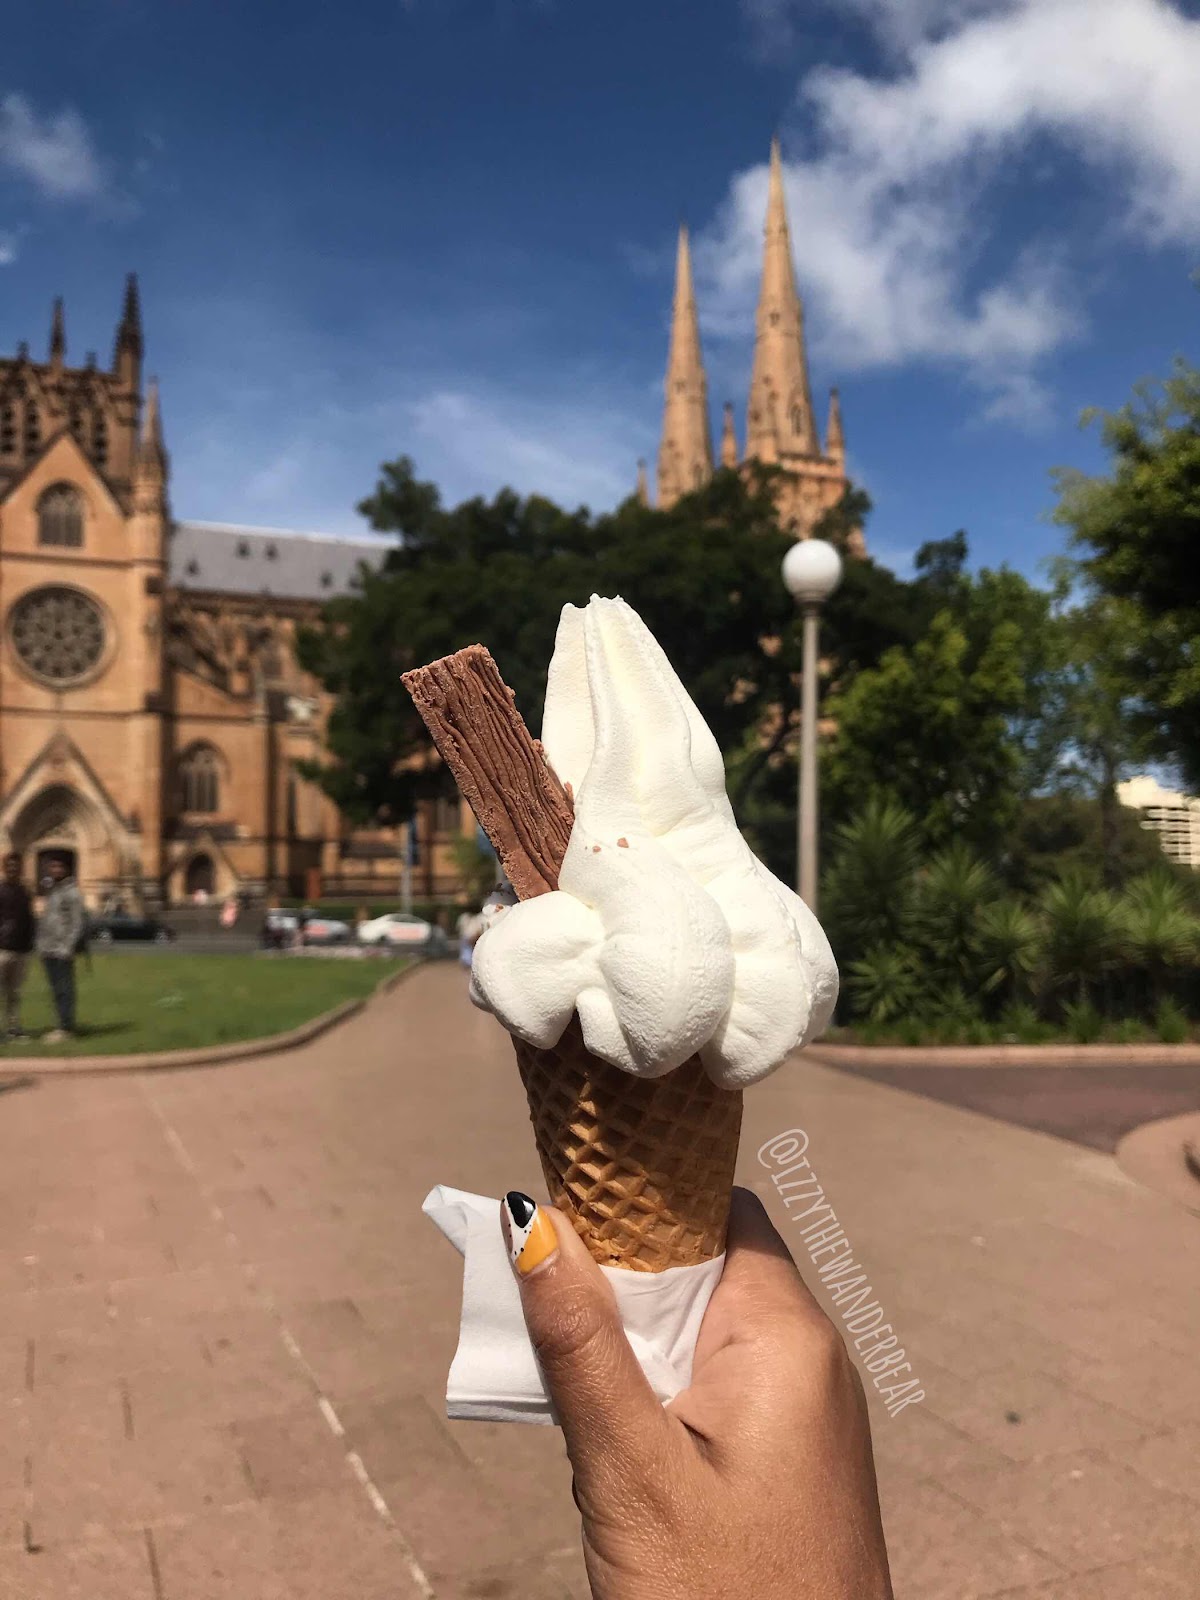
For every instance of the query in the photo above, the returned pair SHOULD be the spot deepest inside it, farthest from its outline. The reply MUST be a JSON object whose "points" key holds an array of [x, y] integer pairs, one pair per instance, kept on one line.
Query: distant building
{"points": [[1174, 817], [153, 716], [781, 427]]}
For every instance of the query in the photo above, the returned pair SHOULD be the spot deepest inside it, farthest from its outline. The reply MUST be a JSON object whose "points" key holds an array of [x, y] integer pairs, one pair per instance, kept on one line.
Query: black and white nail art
{"points": [[521, 1211]]}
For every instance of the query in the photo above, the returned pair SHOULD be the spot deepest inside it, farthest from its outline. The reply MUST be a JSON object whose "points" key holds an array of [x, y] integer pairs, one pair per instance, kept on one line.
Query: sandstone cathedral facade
{"points": [[781, 426], [153, 717], [154, 720]]}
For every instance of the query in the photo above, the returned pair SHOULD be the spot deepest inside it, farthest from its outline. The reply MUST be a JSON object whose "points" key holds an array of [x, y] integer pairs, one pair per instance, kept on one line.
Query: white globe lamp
{"points": [[812, 570]]}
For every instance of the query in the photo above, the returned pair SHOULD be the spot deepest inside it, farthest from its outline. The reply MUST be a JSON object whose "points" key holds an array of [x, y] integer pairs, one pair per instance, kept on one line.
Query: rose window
{"points": [[58, 634]]}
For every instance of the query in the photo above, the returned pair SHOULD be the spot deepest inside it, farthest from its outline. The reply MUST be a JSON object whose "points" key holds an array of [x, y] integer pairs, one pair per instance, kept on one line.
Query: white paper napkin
{"points": [[495, 1376]]}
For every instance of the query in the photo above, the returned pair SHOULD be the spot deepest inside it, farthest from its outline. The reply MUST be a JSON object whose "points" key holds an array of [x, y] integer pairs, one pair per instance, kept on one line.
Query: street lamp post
{"points": [[812, 570]]}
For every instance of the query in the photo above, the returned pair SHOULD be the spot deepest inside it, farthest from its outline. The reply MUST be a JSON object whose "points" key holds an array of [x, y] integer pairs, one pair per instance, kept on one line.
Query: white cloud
{"points": [[54, 152], [889, 211], [254, 458], [571, 452], [9, 249]]}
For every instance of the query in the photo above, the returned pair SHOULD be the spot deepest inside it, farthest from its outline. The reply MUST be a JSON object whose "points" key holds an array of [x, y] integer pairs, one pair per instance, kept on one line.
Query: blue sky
{"points": [[446, 228]]}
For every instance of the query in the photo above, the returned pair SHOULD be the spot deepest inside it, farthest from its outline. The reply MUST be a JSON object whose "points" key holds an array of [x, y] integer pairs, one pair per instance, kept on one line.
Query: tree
{"points": [[1091, 732], [1139, 529], [931, 726], [1062, 829], [704, 574]]}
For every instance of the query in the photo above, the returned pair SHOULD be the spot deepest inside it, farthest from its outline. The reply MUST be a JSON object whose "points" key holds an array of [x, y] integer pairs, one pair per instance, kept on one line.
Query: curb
{"points": [[205, 1055], [1159, 1155], [1006, 1055]]}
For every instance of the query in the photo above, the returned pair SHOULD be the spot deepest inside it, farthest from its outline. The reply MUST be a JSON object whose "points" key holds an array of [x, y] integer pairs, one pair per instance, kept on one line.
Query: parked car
{"points": [[279, 928], [113, 925], [315, 929], [402, 929]]}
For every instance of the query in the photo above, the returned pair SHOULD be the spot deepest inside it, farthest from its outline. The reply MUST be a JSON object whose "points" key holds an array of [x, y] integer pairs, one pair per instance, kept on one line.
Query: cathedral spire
{"points": [[127, 354], [729, 445], [58, 336], [685, 457], [152, 460], [781, 414], [835, 437]]}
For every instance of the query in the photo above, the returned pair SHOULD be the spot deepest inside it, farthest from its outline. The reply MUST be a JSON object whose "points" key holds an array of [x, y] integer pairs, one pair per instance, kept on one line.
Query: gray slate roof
{"points": [[293, 566]]}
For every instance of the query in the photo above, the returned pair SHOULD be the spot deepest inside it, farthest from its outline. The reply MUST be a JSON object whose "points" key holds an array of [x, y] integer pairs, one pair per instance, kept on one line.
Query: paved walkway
{"points": [[224, 1329], [1095, 1105]]}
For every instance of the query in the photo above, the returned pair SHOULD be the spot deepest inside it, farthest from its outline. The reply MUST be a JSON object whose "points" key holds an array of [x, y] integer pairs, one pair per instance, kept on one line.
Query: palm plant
{"points": [[886, 984], [1162, 932], [867, 897], [1082, 932], [950, 894], [1010, 947]]}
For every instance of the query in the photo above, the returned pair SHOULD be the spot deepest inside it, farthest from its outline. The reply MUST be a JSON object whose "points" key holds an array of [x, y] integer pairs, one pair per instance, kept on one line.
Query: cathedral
{"points": [[154, 720], [153, 716], [781, 428]]}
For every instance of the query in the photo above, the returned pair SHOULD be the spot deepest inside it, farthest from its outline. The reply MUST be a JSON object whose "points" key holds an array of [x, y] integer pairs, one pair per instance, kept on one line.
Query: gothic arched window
{"points": [[797, 420], [60, 516], [8, 429], [33, 428], [100, 442], [200, 780]]}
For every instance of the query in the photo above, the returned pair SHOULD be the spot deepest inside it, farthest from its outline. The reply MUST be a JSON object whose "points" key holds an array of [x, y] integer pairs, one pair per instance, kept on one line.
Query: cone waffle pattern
{"points": [[642, 1166]]}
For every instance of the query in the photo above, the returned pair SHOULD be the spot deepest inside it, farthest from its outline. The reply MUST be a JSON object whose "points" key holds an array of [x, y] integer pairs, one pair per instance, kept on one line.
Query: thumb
{"points": [[611, 1419]]}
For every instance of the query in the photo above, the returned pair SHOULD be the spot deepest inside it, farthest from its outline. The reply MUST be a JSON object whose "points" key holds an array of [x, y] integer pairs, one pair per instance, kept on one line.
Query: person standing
{"points": [[470, 928], [58, 937], [17, 924]]}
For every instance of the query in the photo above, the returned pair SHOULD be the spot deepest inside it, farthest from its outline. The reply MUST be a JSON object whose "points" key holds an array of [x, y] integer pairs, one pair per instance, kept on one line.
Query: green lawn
{"points": [[129, 1004]]}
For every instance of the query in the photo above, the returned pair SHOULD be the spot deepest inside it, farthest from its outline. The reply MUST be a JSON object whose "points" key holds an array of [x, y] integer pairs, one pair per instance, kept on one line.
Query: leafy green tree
{"points": [[1061, 830], [930, 728], [704, 575], [1139, 530], [476, 867], [1092, 730], [941, 566]]}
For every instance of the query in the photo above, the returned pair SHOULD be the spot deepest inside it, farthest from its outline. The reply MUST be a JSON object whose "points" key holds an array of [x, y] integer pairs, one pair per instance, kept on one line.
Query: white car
{"points": [[402, 928], [324, 930]]}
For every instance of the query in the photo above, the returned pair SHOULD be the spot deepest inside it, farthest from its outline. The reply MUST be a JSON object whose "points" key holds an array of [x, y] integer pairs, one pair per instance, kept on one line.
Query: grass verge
{"points": [[143, 1003]]}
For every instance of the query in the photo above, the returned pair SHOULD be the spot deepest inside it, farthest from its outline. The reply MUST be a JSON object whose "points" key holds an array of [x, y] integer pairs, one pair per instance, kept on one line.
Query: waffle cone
{"points": [[642, 1166]]}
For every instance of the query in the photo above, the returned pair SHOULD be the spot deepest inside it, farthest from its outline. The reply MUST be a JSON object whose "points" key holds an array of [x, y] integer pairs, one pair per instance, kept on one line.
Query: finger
{"points": [[611, 1419], [760, 1280], [760, 1307]]}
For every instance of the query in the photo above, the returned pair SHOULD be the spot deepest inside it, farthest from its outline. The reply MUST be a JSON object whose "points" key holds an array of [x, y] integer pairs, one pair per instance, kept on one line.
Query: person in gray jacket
{"points": [[59, 932]]}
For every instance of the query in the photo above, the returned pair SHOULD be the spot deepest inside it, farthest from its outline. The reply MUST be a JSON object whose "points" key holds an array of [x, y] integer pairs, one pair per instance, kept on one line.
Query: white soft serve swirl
{"points": [[666, 933]]}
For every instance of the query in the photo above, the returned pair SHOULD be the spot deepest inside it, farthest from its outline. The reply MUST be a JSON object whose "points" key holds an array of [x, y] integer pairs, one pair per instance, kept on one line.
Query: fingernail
{"points": [[529, 1231]]}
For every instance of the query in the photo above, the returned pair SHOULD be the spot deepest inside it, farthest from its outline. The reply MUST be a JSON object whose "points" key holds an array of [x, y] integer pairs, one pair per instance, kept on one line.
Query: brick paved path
{"points": [[224, 1329], [1092, 1105]]}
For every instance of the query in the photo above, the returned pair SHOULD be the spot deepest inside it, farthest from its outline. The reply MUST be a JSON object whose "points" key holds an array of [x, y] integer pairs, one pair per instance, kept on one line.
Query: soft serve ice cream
{"points": [[666, 934]]}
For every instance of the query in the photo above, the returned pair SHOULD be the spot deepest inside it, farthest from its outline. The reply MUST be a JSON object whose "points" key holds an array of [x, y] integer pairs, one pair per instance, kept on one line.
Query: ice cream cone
{"points": [[642, 1166]]}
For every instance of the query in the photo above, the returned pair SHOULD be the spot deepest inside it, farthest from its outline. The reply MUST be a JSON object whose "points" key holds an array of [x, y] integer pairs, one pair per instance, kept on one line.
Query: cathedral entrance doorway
{"points": [[200, 879], [49, 853], [59, 821]]}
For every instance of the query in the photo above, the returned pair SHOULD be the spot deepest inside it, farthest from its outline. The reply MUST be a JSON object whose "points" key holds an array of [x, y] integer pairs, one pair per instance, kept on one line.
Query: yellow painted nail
{"points": [[531, 1235]]}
